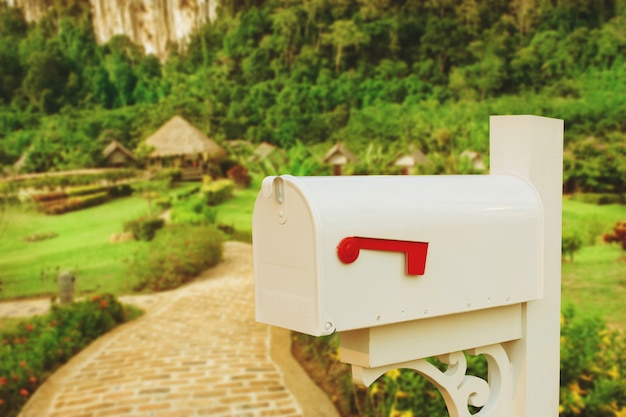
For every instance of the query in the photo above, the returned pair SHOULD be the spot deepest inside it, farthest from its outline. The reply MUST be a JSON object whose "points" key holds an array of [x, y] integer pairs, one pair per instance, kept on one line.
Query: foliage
{"points": [[175, 256], [49, 196], [239, 175], [85, 190], [120, 190], [193, 210], [395, 74], [570, 244], [151, 190], [29, 354], [144, 228], [618, 235], [593, 382], [170, 175], [216, 192], [52, 181]]}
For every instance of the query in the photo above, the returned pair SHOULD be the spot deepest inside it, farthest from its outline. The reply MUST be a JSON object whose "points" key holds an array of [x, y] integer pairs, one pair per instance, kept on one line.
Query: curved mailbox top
{"points": [[342, 253]]}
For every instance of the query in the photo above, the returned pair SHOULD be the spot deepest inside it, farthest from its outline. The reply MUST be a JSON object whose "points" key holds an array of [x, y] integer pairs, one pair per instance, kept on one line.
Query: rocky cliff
{"points": [[151, 23]]}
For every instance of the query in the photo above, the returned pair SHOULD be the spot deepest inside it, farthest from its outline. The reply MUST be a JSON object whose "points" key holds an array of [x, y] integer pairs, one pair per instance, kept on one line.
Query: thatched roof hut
{"points": [[116, 154], [407, 162], [338, 156], [178, 137]]}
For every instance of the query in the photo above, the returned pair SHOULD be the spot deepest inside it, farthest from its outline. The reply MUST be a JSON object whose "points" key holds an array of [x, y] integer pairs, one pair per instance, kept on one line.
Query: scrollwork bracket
{"points": [[458, 389]]}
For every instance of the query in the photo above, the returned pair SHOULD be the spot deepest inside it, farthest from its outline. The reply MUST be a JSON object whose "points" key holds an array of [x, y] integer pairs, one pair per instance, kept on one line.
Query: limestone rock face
{"points": [[33, 9], [151, 23]]}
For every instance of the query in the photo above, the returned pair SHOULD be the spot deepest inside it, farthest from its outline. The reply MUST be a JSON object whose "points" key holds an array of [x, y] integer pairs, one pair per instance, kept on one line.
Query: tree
{"points": [[343, 33], [570, 244], [47, 74]]}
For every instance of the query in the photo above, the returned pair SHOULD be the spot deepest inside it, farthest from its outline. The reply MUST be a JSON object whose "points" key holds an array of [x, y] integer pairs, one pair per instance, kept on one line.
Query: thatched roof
{"points": [[179, 137], [111, 147], [416, 158], [339, 155]]}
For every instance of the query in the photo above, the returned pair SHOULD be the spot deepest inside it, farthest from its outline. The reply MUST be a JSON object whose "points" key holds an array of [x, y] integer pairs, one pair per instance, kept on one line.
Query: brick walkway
{"points": [[196, 352]]}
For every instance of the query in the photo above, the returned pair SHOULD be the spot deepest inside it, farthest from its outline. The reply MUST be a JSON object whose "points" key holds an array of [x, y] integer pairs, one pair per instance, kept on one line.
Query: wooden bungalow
{"points": [[408, 162], [181, 145], [116, 155], [338, 156]]}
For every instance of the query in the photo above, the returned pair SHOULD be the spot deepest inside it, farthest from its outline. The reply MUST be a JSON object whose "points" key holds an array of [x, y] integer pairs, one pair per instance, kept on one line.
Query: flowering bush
{"points": [[618, 235], [175, 256], [31, 353]]}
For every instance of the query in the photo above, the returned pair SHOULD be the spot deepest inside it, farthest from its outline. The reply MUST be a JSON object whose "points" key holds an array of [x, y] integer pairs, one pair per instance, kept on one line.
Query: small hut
{"points": [[116, 155], [179, 144], [408, 162], [338, 156]]}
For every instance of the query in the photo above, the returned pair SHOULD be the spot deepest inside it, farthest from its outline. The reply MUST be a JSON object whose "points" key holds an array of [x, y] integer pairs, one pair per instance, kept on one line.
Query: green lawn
{"points": [[595, 283], [82, 247], [238, 210]]}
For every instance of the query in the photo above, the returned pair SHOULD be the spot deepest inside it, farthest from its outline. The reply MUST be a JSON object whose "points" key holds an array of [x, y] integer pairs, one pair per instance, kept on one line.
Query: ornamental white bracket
{"points": [[458, 389]]}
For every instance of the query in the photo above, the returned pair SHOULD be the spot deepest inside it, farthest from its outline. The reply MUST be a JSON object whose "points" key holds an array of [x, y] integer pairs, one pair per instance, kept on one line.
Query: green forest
{"points": [[393, 73]]}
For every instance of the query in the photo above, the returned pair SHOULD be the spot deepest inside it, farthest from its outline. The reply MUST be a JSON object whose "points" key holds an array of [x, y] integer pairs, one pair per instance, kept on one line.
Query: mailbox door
{"points": [[286, 259]]}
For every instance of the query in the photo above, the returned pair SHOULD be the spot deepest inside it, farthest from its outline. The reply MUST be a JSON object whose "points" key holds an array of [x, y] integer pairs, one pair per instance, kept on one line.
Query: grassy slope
{"points": [[595, 283], [82, 246]]}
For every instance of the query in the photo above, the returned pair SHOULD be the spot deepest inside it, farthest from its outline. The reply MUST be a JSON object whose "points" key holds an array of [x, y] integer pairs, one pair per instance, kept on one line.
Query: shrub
{"points": [[169, 174], [163, 203], [570, 244], [31, 353], [85, 190], [218, 191], [618, 235], [175, 256], [239, 175], [91, 200], [144, 228], [120, 190], [599, 198], [193, 210], [50, 196]]}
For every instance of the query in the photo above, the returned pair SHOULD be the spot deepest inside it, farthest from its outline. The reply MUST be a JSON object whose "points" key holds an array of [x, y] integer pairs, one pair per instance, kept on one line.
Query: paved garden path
{"points": [[196, 352]]}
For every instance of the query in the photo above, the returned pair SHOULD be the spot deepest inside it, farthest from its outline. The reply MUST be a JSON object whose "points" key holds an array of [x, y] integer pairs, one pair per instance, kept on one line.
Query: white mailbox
{"points": [[411, 267], [344, 253]]}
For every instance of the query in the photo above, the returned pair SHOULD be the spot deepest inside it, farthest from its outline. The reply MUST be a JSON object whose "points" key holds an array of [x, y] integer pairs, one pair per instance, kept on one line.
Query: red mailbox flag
{"points": [[349, 249]]}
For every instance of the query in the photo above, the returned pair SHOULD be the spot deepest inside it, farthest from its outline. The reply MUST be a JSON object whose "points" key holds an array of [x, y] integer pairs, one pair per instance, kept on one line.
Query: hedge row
{"points": [[66, 180], [65, 205], [216, 192], [85, 190], [59, 202]]}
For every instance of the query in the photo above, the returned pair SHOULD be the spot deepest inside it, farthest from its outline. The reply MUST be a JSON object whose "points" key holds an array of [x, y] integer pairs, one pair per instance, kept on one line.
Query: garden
{"points": [[385, 80], [159, 256], [139, 236]]}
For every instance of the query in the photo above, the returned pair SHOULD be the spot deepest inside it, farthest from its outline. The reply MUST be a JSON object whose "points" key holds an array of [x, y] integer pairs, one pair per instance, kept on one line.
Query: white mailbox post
{"points": [[410, 267]]}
